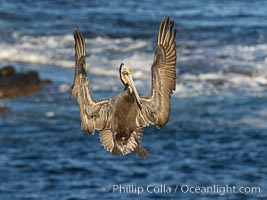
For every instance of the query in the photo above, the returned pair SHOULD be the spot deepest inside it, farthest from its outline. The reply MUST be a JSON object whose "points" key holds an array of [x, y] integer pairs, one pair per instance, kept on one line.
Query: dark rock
{"points": [[14, 85], [7, 71]]}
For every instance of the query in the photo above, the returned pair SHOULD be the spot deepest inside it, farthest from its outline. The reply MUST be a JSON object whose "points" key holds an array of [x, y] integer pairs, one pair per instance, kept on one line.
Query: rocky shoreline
{"points": [[14, 84]]}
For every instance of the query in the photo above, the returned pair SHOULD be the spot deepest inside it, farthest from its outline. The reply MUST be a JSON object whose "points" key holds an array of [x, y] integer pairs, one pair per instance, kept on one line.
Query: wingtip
{"points": [[80, 46], [166, 17], [75, 32], [75, 29]]}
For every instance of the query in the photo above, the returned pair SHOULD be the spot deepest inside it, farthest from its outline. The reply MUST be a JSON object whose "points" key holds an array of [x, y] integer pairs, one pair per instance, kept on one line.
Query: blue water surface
{"points": [[215, 138]]}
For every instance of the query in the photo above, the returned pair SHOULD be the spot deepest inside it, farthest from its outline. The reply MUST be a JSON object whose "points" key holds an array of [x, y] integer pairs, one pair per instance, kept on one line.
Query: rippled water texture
{"points": [[217, 132]]}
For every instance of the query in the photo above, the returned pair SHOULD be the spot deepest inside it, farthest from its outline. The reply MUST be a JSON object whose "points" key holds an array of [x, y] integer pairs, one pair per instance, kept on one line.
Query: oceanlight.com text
{"points": [[221, 190], [180, 188]]}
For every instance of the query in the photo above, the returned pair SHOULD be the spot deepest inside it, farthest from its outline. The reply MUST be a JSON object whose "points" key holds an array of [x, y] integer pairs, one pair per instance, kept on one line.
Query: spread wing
{"points": [[95, 115], [156, 108]]}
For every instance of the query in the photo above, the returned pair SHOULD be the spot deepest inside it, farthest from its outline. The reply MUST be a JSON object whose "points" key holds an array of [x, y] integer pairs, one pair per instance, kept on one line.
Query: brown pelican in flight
{"points": [[121, 118]]}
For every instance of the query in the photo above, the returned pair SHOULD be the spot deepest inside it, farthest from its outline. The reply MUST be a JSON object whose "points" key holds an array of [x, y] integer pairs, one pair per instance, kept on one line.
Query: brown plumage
{"points": [[121, 118]]}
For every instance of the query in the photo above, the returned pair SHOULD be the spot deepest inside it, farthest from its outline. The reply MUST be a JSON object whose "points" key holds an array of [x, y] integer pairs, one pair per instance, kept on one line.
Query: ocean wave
{"points": [[203, 67], [45, 50], [232, 84], [59, 50], [208, 68]]}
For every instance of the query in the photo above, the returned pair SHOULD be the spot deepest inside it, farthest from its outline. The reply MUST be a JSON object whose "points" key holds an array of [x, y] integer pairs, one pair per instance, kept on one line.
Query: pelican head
{"points": [[127, 80]]}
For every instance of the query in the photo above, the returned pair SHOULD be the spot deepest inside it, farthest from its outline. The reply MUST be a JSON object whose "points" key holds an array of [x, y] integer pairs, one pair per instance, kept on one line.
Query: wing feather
{"points": [[156, 107], [95, 114]]}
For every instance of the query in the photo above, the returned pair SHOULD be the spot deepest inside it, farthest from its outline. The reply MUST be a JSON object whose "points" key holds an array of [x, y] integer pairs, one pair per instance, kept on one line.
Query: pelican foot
{"points": [[142, 152]]}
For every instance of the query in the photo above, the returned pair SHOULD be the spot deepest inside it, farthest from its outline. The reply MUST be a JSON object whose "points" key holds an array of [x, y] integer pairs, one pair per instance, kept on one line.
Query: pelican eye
{"points": [[125, 73]]}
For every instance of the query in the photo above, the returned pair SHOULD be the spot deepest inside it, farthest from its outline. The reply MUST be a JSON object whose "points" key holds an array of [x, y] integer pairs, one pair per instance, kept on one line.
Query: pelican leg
{"points": [[140, 150]]}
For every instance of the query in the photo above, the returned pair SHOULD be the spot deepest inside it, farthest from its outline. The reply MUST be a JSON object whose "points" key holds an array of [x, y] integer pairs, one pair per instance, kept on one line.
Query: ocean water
{"points": [[217, 133]]}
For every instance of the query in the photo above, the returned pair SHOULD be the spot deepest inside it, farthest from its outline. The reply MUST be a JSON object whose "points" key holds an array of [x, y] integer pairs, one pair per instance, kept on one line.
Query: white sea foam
{"points": [[50, 114], [212, 83], [46, 50], [59, 50], [227, 66], [64, 88]]}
